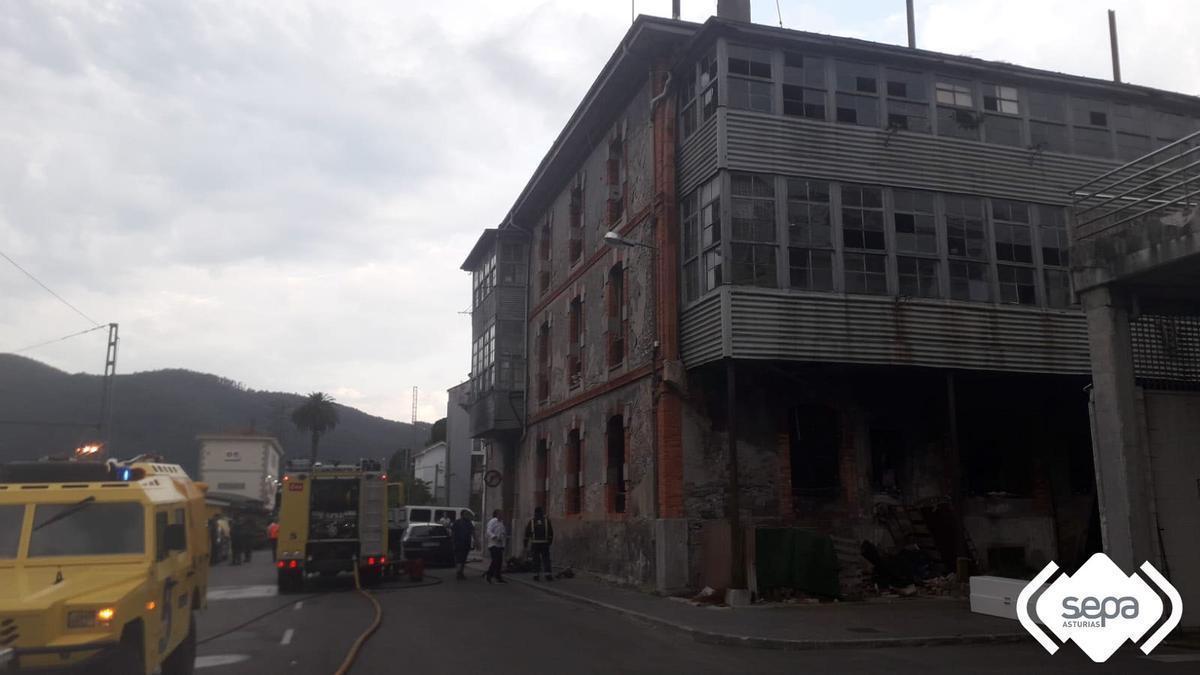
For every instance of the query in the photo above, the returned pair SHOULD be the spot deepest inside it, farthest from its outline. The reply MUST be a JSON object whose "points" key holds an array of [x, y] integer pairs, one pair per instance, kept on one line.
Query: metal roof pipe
{"points": [[912, 27], [734, 10], [675, 9], [1112, 43]]}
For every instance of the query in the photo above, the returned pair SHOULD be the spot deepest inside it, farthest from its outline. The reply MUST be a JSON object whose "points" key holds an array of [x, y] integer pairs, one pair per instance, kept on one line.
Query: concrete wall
{"points": [[458, 447], [1173, 436]]}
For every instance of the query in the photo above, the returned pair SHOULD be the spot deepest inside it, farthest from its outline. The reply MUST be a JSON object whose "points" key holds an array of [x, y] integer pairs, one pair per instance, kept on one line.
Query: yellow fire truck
{"points": [[102, 567], [332, 518]]}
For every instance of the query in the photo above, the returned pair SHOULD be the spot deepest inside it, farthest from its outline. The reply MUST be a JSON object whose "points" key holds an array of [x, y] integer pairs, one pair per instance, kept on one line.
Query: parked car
{"points": [[429, 542]]}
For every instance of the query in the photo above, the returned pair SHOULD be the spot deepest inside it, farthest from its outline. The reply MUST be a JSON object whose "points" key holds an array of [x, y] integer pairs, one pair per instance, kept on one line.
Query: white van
{"points": [[433, 514]]}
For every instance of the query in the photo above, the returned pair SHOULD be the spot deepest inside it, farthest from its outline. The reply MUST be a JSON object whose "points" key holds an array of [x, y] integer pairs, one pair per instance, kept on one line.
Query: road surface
{"points": [[470, 626]]}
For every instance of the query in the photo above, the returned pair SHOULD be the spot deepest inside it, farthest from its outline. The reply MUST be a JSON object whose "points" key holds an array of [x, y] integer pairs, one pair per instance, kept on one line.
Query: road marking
{"points": [[220, 660], [287, 637], [242, 592], [1173, 658], [296, 607]]}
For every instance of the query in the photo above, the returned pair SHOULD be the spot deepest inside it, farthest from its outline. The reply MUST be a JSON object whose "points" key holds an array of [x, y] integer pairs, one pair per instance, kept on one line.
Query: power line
{"points": [[47, 289], [50, 342]]}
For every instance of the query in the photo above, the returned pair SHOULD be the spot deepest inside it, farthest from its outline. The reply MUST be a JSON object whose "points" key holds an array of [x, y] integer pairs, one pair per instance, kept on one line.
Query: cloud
{"points": [[281, 193]]}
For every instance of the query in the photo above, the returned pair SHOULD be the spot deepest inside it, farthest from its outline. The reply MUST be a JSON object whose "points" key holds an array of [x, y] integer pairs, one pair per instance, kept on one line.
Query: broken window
{"points": [[1092, 135], [574, 472], [1014, 237], [966, 236], [956, 108], [810, 235], [753, 238], [1047, 125], [575, 343], [1017, 285], [511, 268], [483, 360], [913, 219], [866, 273], [483, 279], [1001, 99], [918, 277], [813, 437], [1052, 229], [969, 281], [803, 85], [615, 464], [701, 223], [545, 253], [857, 93], [689, 216], [907, 101], [707, 85], [862, 217], [617, 315], [750, 86], [575, 207]]}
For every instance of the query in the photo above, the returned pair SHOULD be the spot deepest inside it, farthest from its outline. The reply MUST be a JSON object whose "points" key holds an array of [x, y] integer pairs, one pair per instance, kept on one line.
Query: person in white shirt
{"points": [[497, 537]]}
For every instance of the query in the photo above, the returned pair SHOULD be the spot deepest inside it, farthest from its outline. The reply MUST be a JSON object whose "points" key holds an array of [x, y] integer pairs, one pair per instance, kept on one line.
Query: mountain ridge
{"points": [[162, 411]]}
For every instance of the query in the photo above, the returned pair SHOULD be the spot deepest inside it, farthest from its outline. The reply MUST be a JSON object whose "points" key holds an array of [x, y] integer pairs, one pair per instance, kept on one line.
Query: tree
{"points": [[417, 492], [317, 415], [437, 432]]}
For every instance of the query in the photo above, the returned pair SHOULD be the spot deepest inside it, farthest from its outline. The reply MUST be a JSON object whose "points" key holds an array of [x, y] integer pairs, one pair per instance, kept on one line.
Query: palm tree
{"points": [[316, 415]]}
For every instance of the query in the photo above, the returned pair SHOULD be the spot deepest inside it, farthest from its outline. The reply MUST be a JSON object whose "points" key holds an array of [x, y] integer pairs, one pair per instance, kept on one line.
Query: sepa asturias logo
{"points": [[1099, 608]]}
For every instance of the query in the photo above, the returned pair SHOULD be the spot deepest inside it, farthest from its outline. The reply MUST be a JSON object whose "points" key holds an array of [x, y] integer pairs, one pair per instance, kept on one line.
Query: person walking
{"points": [[462, 532], [540, 535], [497, 536], [273, 538]]}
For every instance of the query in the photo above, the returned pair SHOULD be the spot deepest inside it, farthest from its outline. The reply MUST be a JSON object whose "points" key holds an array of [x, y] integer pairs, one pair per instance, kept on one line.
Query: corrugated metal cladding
{"points": [[700, 331], [785, 145], [697, 158], [832, 328]]}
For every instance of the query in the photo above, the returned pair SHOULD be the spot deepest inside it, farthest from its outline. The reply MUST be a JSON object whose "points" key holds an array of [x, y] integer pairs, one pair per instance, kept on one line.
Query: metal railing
{"points": [[1159, 184]]}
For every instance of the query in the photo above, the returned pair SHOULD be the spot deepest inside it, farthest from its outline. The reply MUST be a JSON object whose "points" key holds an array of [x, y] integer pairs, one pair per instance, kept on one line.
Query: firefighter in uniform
{"points": [[540, 535]]}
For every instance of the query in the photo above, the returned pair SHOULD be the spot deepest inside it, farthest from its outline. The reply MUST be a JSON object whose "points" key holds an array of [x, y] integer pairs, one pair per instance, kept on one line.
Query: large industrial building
{"points": [[848, 260]]}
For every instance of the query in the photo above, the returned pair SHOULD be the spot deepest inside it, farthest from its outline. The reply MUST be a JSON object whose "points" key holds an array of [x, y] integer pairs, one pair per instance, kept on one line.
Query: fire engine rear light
{"points": [[383, 560], [292, 564], [279, 564], [370, 561]]}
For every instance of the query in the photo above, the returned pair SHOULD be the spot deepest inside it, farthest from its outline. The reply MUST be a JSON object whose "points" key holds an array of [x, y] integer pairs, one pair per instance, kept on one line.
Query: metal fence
{"points": [[1159, 185], [1166, 351]]}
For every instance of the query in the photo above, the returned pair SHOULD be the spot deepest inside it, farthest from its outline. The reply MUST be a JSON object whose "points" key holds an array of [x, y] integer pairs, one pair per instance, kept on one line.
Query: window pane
{"points": [[1093, 113], [1003, 130], [808, 213], [908, 116], [918, 277], [712, 269], [1001, 99], [1058, 289], [691, 281], [860, 110], [965, 234], [955, 92], [810, 269], [957, 123], [803, 70], [1094, 142], [969, 281], [905, 84], [1046, 136], [866, 273], [862, 226], [750, 95], [1052, 228], [1046, 106], [753, 265], [749, 61], [803, 102], [1016, 285], [856, 77], [913, 221]]}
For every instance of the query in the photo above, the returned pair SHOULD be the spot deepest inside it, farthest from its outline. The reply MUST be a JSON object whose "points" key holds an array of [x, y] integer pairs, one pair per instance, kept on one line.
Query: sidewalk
{"points": [[901, 622]]}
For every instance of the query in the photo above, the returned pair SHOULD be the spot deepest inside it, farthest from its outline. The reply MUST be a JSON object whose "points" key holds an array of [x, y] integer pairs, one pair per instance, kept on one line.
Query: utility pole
{"points": [[414, 412], [106, 398]]}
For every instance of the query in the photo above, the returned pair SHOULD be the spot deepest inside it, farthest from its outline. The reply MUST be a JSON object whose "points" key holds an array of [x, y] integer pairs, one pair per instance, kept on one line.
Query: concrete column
{"points": [[1122, 469]]}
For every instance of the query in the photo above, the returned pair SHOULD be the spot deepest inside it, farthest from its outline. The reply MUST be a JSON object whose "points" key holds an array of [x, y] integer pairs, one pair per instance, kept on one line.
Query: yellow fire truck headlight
{"points": [[90, 618]]}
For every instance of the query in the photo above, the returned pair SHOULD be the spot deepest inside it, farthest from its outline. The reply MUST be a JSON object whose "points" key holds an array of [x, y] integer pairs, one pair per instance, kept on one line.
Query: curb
{"points": [[749, 641]]}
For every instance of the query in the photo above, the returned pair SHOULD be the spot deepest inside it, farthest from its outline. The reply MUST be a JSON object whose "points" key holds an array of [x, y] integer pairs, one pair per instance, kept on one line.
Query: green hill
{"points": [[163, 411]]}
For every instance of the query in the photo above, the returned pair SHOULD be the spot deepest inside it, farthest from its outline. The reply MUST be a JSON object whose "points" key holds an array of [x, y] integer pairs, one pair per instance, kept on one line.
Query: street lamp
{"points": [[611, 238]]}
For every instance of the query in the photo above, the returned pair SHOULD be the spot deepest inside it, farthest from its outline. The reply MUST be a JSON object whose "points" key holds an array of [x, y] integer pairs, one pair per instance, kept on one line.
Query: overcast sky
{"points": [[281, 192]]}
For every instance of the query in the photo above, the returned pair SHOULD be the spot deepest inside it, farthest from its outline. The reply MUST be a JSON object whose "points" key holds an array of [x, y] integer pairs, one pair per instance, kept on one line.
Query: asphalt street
{"points": [[449, 626]]}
